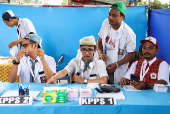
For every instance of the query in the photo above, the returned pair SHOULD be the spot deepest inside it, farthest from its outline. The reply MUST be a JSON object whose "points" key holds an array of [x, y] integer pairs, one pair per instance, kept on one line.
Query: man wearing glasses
{"points": [[116, 43], [31, 62], [93, 70]]}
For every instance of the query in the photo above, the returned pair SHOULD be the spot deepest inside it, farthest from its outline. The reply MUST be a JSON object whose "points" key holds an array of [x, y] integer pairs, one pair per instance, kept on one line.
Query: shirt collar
{"points": [[38, 58], [19, 23], [150, 62], [120, 30]]}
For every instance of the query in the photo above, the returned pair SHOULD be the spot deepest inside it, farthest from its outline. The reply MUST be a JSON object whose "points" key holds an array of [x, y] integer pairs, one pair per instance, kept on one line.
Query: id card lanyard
{"points": [[143, 73], [29, 65]]}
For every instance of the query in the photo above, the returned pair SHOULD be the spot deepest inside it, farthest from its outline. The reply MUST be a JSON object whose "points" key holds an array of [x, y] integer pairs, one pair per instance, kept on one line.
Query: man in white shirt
{"points": [[31, 62], [86, 69], [24, 26], [149, 70], [116, 43]]}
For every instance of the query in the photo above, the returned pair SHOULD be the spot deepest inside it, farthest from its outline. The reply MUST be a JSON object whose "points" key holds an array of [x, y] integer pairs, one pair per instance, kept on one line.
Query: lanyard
{"points": [[142, 74], [29, 65]]}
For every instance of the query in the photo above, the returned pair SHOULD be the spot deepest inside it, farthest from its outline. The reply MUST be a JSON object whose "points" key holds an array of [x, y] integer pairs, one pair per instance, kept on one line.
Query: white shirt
{"points": [[24, 69], [124, 40], [25, 26], [79, 54], [163, 72], [97, 68]]}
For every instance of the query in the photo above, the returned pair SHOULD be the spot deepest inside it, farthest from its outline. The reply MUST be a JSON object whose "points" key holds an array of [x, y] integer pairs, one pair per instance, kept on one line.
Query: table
{"points": [[5, 68], [136, 102]]}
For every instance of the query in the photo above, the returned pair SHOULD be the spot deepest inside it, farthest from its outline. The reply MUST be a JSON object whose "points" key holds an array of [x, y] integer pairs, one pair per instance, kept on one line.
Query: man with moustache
{"points": [[116, 43], [93, 70], [150, 70], [31, 62]]}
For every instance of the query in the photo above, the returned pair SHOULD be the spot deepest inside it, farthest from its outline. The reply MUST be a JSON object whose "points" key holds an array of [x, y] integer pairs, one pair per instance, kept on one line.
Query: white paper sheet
{"points": [[4, 61], [15, 93], [130, 88], [116, 96], [13, 50]]}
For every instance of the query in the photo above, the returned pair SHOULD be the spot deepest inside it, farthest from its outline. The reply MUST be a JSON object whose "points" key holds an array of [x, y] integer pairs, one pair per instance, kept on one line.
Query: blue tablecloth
{"points": [[136, 102]]}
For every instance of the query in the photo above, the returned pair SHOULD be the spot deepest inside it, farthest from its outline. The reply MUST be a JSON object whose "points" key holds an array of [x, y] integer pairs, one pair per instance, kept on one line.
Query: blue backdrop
{"points": [[159, 28], [61, 27]]}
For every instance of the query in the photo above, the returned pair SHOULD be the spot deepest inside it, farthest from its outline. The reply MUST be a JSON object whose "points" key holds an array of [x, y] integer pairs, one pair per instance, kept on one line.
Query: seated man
{"points": [[150, 70], [79, 54], [93, 70], [31, 62]]}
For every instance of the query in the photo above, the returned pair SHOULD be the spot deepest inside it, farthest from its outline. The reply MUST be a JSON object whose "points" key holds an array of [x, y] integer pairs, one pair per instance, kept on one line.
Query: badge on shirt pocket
{"points": [[93, 76], [153, 76], [120, 51], [43, 79]]}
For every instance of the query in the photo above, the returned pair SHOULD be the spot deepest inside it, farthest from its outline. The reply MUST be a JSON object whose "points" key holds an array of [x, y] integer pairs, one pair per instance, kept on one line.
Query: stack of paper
{"points": [[72, 94], [130, 88], [160, 88], [85, 92], [1, 87]]}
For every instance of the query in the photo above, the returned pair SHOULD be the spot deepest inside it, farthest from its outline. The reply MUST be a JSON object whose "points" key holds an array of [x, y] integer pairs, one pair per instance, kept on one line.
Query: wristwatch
{"points": [[15, 63], [147, 86], [85, 81]]}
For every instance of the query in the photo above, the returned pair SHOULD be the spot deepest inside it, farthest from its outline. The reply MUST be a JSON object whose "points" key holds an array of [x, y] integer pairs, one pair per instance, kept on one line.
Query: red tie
{"points": [[147, 66]]}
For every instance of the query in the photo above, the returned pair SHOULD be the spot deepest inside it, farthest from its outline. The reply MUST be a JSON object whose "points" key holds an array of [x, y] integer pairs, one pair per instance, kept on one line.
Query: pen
{"points": [[28, 87]]}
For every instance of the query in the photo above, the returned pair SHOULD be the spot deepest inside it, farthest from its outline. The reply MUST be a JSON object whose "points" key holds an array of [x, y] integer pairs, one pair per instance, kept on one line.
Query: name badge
{"points": [[96, 101], [120, 51], [153, 76], [16, 100]]}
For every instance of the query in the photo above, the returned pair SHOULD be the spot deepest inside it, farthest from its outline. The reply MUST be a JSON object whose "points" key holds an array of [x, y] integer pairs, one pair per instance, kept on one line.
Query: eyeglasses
{"points": [[25, 45], [84, 50]]}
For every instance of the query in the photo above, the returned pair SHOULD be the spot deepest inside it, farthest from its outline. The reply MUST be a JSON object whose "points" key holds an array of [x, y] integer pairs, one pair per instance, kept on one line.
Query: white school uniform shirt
{"points": [[97, 68], [119, 43], [163, 72], [25, 26], [24, 69]]}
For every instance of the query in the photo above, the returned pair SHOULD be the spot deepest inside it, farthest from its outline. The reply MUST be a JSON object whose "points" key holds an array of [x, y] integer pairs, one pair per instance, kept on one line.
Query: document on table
{"points": [[9, 93], [130, 88], [4, 61], [116, 96]]}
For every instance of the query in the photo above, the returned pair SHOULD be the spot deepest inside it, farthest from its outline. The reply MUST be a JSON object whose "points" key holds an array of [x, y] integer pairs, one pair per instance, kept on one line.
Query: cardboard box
{"points": [[54, 95]]}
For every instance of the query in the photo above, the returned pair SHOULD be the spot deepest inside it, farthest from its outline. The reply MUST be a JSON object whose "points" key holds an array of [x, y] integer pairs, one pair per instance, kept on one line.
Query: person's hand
{"points": [[52, 80], [77, 79], [124, 81], [40, 52], [137, 85], [20, 54], [12, 44], [112, 67], [103, 57]]}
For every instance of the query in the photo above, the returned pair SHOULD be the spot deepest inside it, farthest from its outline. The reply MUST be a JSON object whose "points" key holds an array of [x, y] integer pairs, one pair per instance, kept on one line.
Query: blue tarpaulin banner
{"points": [[159, 28], [61, 28]]}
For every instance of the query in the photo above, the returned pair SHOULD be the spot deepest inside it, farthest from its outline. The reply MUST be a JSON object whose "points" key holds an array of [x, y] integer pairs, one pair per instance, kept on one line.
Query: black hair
{"points": [[121, 14], [89, 45], [140, 50], [10, 18]]}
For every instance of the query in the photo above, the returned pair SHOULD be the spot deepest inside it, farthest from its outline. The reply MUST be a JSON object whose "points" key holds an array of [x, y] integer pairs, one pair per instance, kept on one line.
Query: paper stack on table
{"points": [[72, 94], [160, 88], [85, 92]]}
